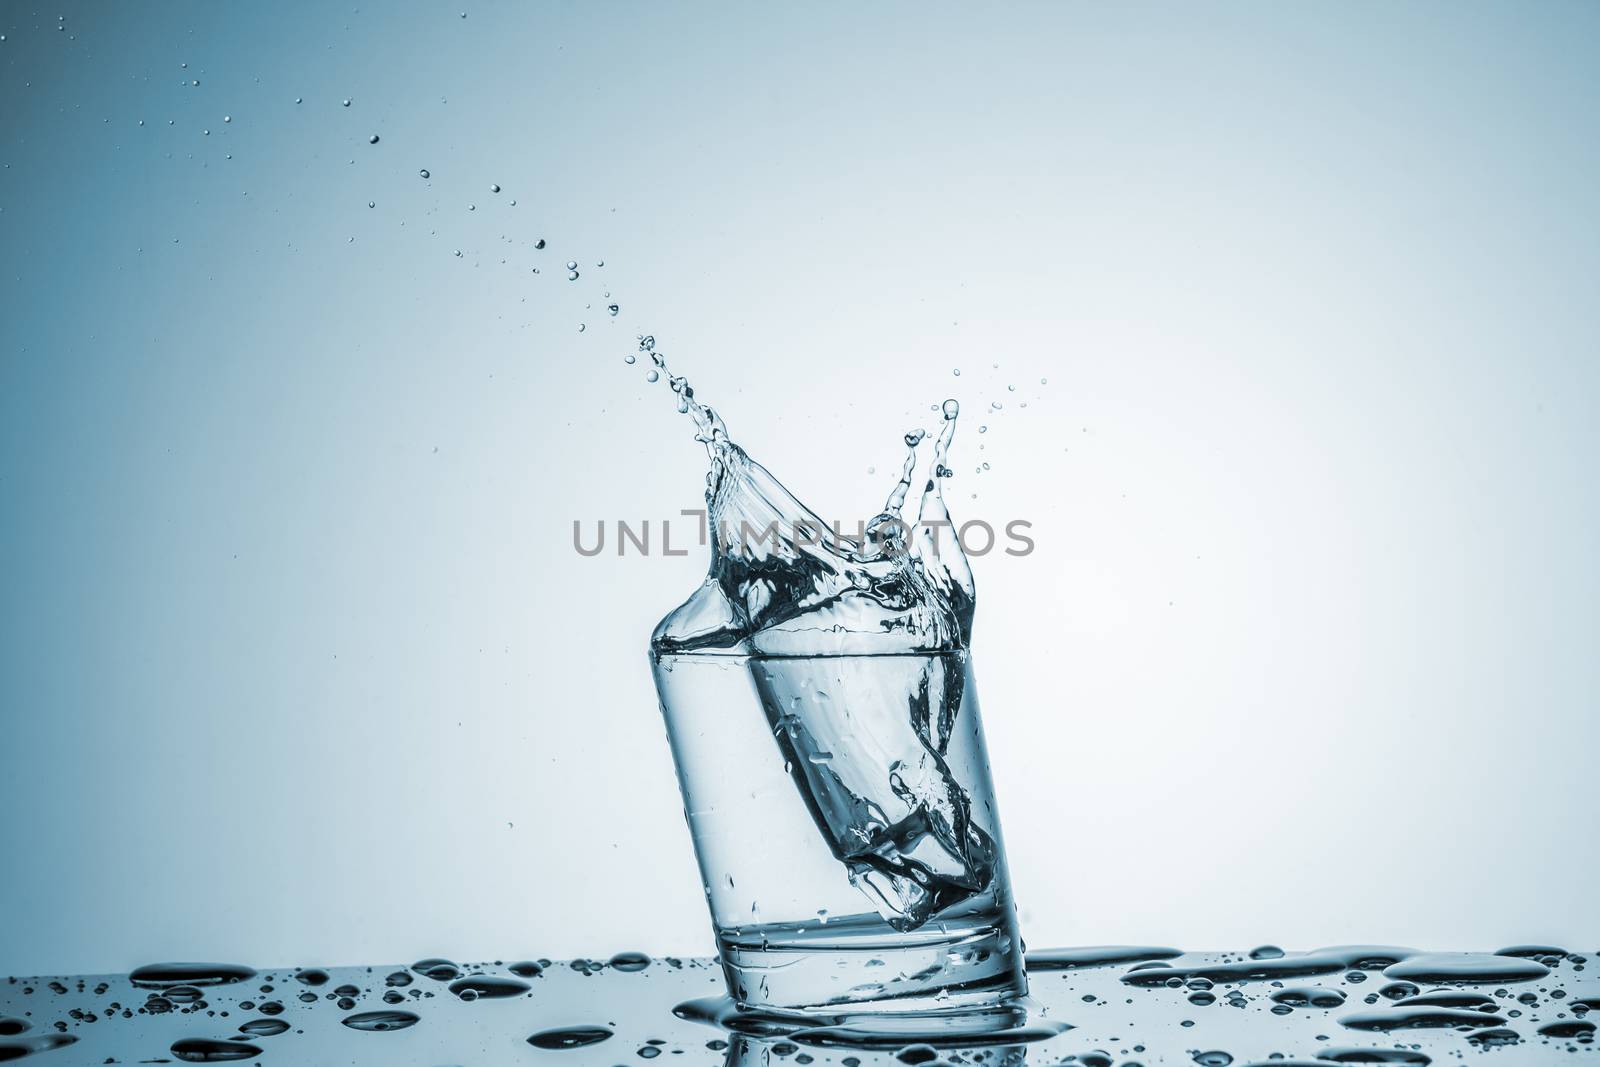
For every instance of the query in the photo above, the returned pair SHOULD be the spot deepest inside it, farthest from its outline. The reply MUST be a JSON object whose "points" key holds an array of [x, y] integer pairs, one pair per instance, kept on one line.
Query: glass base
{"points": [[859, 966]]}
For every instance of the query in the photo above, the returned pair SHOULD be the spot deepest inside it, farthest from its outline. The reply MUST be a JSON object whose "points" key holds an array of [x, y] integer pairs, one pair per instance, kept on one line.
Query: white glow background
{"points": [[1307, 651]]}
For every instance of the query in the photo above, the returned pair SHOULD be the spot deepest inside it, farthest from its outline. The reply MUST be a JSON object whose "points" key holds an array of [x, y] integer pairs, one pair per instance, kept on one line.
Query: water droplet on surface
{"points": [[629, 961], [424, 173], [1495, 1037], [526, 969], [29, 1046], [161, 975], [613, 309], [208, 1050], [494, 188], [440, 970], [373, 139], [1423, 1018], [381, 1021], [488, 987], [539, 244], [1466, 967], [1214, 1058], [263, 1027], [1310, 996], [345, 101], [1375, 1055], [572, 275], [569, 1037]]}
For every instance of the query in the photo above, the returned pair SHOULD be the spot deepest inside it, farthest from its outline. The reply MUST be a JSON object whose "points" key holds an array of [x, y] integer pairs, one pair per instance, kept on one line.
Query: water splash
{"points": [[822, 614]]}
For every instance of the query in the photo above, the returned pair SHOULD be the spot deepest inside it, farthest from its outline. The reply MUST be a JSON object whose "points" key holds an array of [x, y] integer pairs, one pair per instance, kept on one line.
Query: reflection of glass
{"points": [[761, 1050], [845, 825]]}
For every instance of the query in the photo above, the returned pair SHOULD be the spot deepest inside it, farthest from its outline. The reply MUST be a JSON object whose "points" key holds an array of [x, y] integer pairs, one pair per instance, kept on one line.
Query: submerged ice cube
{"points": [[865, 739]]}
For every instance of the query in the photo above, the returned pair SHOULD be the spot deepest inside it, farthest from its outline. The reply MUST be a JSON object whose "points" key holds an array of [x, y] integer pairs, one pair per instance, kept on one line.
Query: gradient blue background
{"points": [[297, 663]]}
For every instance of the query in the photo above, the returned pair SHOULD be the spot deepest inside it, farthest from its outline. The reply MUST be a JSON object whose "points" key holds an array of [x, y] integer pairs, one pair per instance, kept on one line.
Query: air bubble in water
{"points": [[613, 308], [950, 408], [653, 376]]}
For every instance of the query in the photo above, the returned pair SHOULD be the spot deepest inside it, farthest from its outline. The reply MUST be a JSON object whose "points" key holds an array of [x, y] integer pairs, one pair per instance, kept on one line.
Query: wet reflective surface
{"points": [[1108, 1006]]}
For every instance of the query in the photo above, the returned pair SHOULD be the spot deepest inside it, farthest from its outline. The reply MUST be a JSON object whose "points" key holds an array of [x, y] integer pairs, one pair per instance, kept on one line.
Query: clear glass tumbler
{"points": [[845, 825]]}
